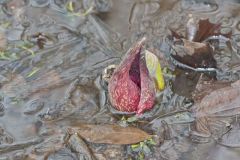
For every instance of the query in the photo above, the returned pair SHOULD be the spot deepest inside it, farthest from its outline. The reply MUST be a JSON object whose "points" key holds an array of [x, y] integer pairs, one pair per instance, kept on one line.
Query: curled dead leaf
{"points": [[200, 31], [193, 50], [194, 54]]}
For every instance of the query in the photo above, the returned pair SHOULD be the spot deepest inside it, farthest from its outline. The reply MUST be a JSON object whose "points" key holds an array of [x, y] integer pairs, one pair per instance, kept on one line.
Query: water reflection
{"points": [[50, 79], [202, 6]]}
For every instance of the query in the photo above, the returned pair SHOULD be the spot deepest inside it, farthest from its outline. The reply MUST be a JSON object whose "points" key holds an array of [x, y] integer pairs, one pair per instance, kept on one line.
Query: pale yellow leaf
{"points": [[154, 69]]}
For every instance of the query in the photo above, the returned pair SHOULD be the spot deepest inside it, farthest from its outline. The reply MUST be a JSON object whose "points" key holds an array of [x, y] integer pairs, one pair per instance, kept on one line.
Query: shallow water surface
{"points": [[51, 63]]}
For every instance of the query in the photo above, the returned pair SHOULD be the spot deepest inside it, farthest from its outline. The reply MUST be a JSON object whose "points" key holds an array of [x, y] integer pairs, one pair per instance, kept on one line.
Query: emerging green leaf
{"points": [[154, 69]]}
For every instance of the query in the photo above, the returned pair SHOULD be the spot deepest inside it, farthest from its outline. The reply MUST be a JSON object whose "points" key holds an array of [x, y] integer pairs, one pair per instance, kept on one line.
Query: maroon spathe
{"points": [[130, 88]]}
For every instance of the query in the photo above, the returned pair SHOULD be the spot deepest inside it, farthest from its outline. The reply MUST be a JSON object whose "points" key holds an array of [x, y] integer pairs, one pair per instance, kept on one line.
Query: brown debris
{"points": [[200, 31], [195, 54], [111, 134], [206, 29], [218, 104], [193, 51], [205, 86]]}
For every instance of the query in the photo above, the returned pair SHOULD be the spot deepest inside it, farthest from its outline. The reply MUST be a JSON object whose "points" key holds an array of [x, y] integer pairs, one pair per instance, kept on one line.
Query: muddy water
{"points": [[46, 89]]}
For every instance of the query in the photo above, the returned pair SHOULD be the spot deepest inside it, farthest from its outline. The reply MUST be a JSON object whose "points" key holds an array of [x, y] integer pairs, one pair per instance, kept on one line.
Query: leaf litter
{"points": [[193, 49], [212, 105], [111, 134], [214, 111]]}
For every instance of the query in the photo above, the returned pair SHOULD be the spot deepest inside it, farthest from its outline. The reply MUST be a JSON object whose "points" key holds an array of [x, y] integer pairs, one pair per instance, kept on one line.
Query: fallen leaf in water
{"points": [[28, 50], [70, 6], [217, 105], [206, 29], [191, 49], [175, 34], [205, 86], [111, 134], [195, 54], [201, 126], [33, 72], [198, 32], [220, 103]]}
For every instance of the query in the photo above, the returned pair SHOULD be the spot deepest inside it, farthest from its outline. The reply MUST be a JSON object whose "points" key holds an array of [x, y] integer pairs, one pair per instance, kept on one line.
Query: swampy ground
{"points": [[54, 52]]}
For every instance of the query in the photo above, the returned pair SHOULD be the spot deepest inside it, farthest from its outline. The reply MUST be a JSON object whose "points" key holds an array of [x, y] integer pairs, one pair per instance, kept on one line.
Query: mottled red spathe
{"points": [[130, 88]]}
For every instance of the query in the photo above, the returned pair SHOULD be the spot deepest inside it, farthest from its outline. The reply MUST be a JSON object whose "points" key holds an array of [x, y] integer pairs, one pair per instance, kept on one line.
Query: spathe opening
{"points": [[134, 72]]}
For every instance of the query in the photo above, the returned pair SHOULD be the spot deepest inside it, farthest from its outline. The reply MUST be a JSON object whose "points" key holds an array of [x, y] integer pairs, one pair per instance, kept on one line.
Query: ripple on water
{"points": [[2, 109], [236, 41], [62, 154], [199, 5], [226, 30], [100, 5], [33, 106], [143, 11], [238, 25], [39, 3], [225, 19]]}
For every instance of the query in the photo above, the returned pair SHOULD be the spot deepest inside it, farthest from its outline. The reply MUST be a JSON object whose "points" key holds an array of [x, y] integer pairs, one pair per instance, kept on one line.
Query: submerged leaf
{"points": [[111, 134], [220, 103], [154, 69], [146, 149], [3, 56], [132, 119], [232, 137], [205, 86], [28, 50], [175, 34], [33, 72], [69, 6]]}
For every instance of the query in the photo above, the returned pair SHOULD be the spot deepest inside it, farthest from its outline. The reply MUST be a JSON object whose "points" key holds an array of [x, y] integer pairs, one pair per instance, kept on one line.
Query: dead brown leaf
{"points": [[175, 34], [202, 126], [193, 50], [202, 30], [222, 102], [195, 54], [215, 108], [206, 29], [205, 86], [111, 134]]}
